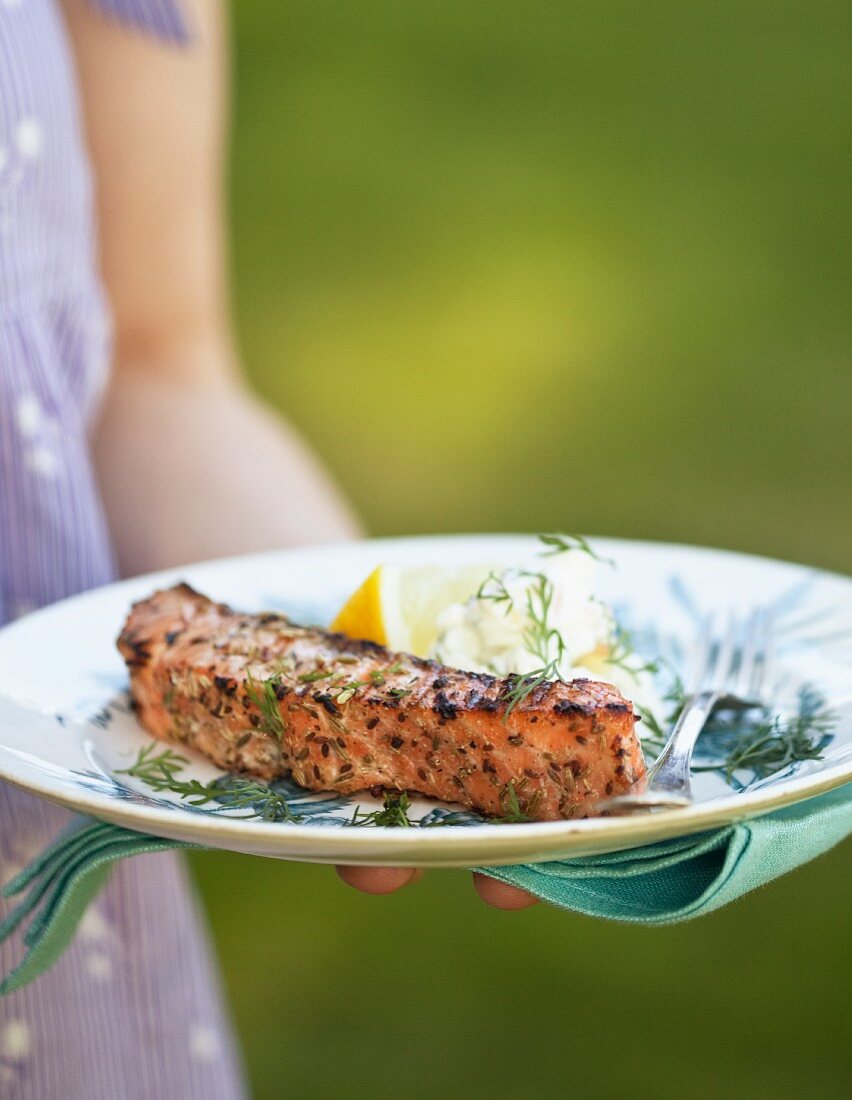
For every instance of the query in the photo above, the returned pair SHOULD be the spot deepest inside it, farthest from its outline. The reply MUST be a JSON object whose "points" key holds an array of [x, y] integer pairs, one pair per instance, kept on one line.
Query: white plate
{"points": [[65, 730]]}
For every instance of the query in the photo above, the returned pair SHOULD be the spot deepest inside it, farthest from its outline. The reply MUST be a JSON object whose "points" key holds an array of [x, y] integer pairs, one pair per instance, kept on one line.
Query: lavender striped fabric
{"points": [[133, 1009]]}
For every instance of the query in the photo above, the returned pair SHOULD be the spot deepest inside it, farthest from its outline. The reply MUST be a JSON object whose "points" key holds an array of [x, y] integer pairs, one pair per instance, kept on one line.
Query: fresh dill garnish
{"points": [[393, 814], [561, 544], [755, 741], [161, 772], [513, 812], [238, 792], [657, 738], [157, 771], [520, 687], [377, 677], [263, 696], [499, 593], [540, 637], [621, 654], [772, 746], [312, 677], [399, 693], [769, 744], [676, 697]]}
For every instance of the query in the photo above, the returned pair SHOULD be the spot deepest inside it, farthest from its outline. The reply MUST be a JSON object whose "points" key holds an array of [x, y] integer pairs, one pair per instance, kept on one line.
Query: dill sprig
{"points": [[264, 697], [675, 696], [313, 677], [513, 812], [521, 687], [238, 792], [561, 544], [657, 738], [161, 772], [540, 637], [761, 744], [771, 743], [394, 813], [622, 654], [498, 592], [771, 747]]}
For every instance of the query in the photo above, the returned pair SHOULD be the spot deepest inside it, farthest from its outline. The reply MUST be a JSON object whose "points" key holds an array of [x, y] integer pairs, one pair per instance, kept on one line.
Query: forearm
{"points": [[192, 470]]}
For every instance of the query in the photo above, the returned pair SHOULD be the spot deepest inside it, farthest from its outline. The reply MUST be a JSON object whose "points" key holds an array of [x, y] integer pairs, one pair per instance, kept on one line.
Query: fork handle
{"points": [[670, 771]]}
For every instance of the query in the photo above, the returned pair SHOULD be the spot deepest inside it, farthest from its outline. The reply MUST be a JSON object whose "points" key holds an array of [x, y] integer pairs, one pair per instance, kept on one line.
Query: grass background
{"points": [[535, 266]]}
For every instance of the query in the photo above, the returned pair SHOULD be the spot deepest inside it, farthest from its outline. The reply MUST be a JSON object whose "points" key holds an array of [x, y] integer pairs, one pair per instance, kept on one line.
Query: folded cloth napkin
{"points": [[663, 883]]}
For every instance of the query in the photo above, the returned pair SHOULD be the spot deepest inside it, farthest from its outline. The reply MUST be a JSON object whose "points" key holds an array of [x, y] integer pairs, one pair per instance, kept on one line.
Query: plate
{"points": [[66, 731]]}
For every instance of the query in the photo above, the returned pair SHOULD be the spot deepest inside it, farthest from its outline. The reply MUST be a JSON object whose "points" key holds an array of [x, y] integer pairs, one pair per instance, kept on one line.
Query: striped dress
{"points": [[133, 1010]]}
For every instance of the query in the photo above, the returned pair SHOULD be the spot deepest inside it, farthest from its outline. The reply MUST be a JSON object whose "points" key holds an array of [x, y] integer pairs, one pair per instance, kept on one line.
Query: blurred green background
{"points": [[533, 266]]}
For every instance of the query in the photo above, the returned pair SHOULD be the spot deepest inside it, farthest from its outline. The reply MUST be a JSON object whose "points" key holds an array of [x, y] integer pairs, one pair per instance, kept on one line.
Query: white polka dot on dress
{"points": [[99, 965], [42, 461], [28, 137], [29, 416], [95, 927], [15, 1040], [203, 1043]]}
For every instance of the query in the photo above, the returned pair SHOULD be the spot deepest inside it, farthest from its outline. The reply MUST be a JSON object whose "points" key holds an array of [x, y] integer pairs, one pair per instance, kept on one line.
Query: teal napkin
{"points": [[663, 883], [677, 880]]}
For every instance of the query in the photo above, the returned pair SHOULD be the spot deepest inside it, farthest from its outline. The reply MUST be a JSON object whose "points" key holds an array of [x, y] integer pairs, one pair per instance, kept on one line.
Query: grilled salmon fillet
{"points": [[259, 695]]}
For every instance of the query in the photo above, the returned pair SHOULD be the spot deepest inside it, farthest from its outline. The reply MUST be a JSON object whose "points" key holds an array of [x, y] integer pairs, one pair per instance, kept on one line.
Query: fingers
{"points": [[379, 880], [387, 880], [501, 895]]}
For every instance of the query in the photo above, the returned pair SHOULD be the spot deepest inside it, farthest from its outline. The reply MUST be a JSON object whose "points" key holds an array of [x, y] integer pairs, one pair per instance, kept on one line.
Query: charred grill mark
{"points": [[444, 707], [571, 706], [271, 617]]}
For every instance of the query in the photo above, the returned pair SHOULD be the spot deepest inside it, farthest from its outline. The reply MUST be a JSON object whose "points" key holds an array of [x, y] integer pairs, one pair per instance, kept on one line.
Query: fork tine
{"points": [[745, 673], [726, 654], [760, 659], [703, 657]]}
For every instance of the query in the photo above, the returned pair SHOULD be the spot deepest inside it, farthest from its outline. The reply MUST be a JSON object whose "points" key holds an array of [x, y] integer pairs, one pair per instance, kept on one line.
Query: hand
{"points": [[387, 880]]}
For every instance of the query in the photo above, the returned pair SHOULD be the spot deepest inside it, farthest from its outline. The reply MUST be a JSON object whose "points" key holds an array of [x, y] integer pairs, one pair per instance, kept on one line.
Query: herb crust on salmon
{"points": [[259, 695]]}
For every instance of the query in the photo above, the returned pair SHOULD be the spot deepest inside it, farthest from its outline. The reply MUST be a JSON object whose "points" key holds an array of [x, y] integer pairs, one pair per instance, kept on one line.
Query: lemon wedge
{"points": [[398, 605]]}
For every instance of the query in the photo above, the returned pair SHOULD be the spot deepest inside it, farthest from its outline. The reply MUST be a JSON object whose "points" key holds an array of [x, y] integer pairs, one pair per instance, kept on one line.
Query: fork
{"points": [[728, 672]]}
